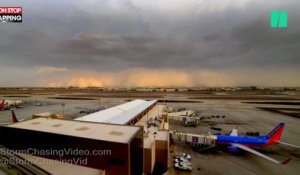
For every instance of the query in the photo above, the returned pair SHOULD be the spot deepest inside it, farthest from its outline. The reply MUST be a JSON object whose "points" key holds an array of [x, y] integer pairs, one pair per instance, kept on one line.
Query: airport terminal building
{"points": [[120, 133], [124, 114], [112, 148]]}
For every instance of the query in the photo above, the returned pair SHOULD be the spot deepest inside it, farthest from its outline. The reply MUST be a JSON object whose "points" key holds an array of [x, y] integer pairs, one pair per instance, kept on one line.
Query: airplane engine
{"points": [[232, 148]]}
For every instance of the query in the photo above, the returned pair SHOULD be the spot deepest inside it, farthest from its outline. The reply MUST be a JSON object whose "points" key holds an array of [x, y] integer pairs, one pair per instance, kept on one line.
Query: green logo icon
{"points": [[278, 19]]}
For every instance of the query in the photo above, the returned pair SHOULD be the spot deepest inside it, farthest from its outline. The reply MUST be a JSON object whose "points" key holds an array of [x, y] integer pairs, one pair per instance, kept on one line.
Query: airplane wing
{"points": [[288, 144], [259, 154]]}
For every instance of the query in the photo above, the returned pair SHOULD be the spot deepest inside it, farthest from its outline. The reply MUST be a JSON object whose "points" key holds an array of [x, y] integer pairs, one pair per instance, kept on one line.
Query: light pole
{"points": [[99, 108], [63, 106]]}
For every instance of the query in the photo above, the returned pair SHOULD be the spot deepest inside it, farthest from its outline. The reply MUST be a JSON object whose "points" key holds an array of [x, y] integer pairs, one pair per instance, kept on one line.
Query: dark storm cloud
{"points": [[111, 35], [105, 46], [135, 51]]}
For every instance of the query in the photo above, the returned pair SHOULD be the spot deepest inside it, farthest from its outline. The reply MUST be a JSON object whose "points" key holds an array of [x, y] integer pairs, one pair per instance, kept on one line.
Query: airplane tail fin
{"points": [[234, 131], [2, 105], [13, 117], [275, 135]]}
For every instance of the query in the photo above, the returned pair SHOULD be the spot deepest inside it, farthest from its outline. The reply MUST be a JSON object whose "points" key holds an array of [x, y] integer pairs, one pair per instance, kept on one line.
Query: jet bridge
{"points": [[194, 139]]}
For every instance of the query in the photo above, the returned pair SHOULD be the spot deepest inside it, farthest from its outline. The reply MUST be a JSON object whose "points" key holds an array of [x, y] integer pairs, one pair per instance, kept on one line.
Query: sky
{"points": [[157, 43]]}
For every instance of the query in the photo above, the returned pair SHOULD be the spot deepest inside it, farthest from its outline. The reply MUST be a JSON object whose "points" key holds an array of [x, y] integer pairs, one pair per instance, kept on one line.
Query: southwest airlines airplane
{"points": [[14, 119], [236, 142]]}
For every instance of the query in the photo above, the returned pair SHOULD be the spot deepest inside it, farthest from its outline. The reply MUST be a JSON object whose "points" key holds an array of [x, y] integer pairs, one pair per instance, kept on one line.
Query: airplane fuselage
{"points": [[243, 140]]}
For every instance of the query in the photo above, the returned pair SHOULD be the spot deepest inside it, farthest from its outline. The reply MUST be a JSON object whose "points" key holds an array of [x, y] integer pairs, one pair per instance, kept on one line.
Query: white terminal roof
{"points": [[96, 131], [121, 114]]}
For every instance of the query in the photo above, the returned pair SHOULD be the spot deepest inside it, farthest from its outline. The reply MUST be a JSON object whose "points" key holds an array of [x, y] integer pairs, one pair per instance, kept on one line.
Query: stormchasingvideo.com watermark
{"points": [[66, 155], [60, 152], [40, 160]]}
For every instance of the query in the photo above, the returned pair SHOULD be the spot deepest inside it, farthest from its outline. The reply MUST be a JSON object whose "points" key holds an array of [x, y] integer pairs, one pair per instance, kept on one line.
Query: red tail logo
{"points": [[275, 135], [14, 118], [2, 105]]}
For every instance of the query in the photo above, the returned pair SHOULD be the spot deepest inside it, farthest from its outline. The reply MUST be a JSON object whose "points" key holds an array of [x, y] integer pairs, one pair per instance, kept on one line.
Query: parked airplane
{"points": [[2, 105], [8, 104], [18, 105], [236, 142], [14, 119], [14, 103]]}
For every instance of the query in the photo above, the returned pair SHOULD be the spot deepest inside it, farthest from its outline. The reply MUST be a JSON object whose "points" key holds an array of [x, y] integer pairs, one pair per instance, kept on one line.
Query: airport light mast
{"points": [[63, 106]]}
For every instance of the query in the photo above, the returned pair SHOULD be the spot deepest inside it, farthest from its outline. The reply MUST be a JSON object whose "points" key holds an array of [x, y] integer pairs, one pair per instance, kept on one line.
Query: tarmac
{"points": [[246, 116]]}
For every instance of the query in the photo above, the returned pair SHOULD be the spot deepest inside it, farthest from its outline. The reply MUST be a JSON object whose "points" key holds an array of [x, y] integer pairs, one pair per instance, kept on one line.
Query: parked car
{"points": [[181, 159], [184, 155], [183, 166]]}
